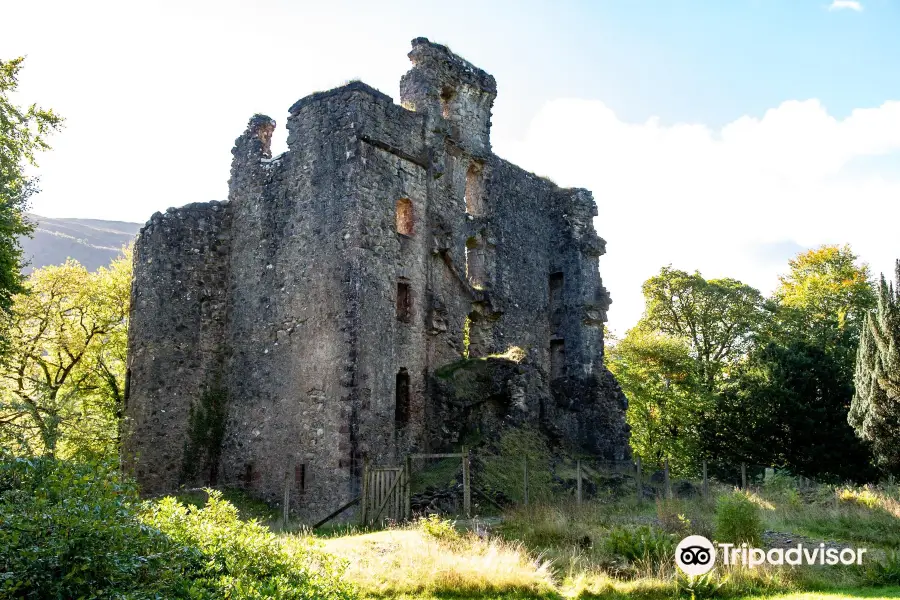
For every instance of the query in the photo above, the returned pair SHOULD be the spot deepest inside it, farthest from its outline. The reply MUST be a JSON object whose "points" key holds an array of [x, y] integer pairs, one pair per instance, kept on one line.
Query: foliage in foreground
{"points": [[70, 531], [242, 559], [78, 531]]}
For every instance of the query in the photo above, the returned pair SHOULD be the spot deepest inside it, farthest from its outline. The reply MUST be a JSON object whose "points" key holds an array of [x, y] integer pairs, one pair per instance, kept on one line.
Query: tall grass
{"points": [[620, 549], [411, 562]]}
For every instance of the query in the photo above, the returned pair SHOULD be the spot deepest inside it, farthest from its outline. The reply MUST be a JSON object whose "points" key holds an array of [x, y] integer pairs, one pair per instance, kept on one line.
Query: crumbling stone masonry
{"points": [[386, 285]]}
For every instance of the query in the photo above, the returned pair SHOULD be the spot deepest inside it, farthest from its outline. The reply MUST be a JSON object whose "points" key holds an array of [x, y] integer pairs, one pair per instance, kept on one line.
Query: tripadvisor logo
{"points": [[696, 555]]}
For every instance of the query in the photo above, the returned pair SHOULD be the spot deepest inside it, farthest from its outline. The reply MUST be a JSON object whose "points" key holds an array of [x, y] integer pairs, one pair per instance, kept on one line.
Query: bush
{"points": [[502, 468], [641, 544], [70, 531], [864, 497], [780, 483], [439, 528], [885, 571], [738, 519], [242, 559]]}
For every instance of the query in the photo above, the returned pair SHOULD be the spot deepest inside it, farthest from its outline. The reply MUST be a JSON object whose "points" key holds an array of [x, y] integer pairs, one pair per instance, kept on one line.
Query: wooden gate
{"points": [[385, 494]]}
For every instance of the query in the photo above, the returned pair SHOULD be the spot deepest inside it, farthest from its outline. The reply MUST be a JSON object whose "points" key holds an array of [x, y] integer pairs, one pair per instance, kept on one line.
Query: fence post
{"points": [[578, 469], [667, 480], [705, 482], [525, 469], [467, 488], [365, 493], [286, 509], [640, 484], [407, 509], [743, 476]]}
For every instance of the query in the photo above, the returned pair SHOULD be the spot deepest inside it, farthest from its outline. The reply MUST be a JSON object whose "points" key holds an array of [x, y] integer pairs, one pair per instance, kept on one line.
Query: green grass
{"points": [[872, 593], [559, 550]]}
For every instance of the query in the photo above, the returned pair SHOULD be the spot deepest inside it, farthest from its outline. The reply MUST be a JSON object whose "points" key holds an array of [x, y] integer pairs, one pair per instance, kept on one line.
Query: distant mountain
{"points": [[91, 242]]}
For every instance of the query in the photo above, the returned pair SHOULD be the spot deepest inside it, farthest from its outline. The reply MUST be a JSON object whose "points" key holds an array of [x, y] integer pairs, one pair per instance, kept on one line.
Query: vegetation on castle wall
{"points": [[206, 430]]}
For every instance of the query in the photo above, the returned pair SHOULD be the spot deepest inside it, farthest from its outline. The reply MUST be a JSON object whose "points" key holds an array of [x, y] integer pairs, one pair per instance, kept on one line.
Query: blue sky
{"points": [[719, 135]]}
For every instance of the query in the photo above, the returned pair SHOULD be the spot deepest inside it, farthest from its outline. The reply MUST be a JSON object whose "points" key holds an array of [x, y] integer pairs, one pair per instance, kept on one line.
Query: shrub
{"points": [[885, 571], [502, 468], [439, 528], [863, 497], [706, 585], [641, 544], [69, 531], [780, 483], [671, 517], [242, 559], [738, 519]]}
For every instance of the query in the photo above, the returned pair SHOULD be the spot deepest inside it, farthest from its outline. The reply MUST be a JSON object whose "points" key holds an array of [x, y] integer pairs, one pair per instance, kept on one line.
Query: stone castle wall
{"points": [[340, 277]]}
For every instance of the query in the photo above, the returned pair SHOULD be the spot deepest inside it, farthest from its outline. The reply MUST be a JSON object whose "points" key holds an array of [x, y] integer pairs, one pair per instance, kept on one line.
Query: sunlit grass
{"points": [[409, 561], [560, 550]]}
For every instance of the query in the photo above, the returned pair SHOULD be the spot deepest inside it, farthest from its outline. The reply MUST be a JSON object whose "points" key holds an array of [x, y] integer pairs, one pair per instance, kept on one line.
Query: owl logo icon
{"points": [[695, 555]]}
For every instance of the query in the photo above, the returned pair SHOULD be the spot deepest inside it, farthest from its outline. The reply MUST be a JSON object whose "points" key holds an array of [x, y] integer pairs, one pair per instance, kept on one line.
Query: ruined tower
{"points": [[302, 325]]}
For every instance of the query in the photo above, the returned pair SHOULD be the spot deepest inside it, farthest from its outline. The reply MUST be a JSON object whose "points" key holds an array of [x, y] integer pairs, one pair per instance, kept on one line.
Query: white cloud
{"points": [[845, 4], [723, 201]]}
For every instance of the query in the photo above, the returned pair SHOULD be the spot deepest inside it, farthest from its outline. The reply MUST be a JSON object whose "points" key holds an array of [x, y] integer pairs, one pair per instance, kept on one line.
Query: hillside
{"points": [[92, 242]]}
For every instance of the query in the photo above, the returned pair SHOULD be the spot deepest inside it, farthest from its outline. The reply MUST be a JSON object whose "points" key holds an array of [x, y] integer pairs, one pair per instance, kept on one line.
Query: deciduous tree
{"points": [[665, 399], [717, 317], [786, 406], [823, 300], [63, 377]]}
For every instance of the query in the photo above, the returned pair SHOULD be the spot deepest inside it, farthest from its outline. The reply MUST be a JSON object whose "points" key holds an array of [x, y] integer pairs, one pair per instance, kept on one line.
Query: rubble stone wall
{"points": [[360, 297]]}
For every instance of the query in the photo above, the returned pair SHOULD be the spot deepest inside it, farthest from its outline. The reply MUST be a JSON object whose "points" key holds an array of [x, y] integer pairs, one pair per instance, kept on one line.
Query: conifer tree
{"points": [[875, 410]]}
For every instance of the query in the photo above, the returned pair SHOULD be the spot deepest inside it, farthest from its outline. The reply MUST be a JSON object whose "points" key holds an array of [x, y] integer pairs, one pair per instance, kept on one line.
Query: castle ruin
{"points": [[387, 285]]}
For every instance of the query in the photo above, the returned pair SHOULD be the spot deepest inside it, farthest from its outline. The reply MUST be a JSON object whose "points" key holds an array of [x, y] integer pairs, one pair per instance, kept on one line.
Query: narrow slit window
{"points": [[556, 291], [401, 406], [127, 392], [300, 477], [557, 359], [404, 302], [474, 190], [447, 96], [475, 267], [405, 217]]}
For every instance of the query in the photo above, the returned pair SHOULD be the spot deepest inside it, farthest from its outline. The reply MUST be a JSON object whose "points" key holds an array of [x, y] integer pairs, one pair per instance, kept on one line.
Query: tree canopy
{"points": [[714, 370], [824, 299], [716, 317], [63, 376], [786, 406], [666, 401]]}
